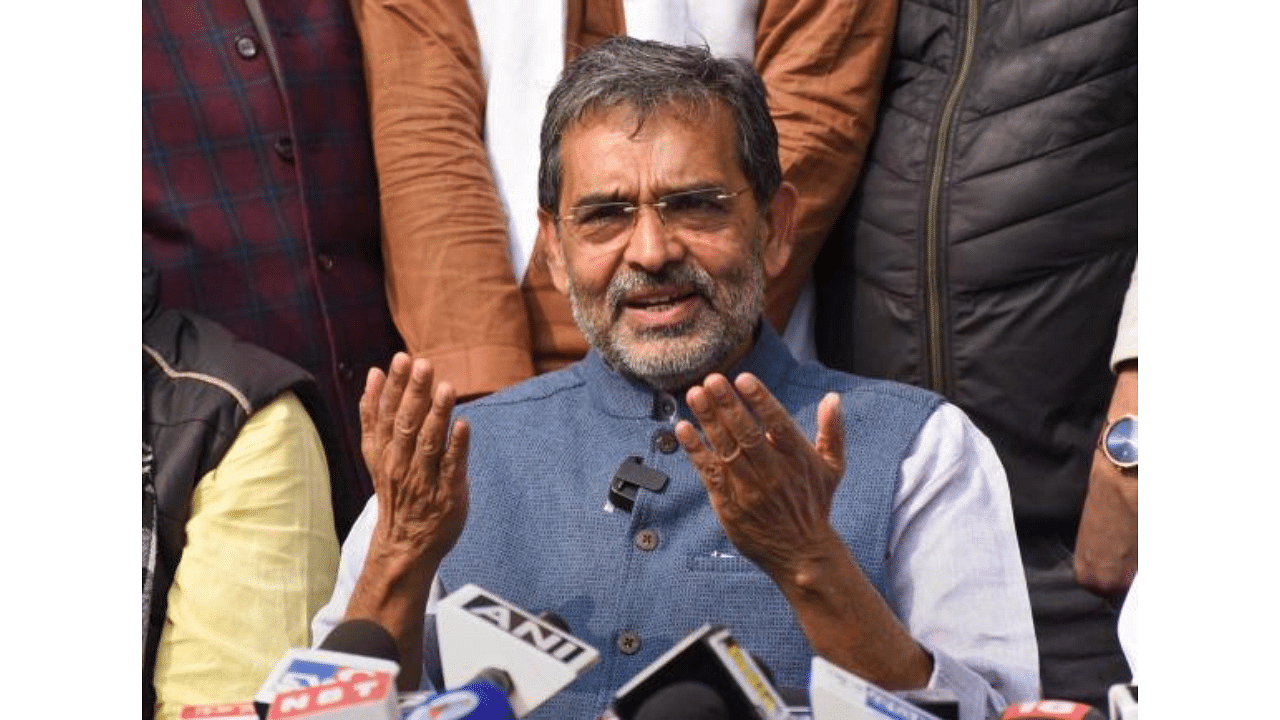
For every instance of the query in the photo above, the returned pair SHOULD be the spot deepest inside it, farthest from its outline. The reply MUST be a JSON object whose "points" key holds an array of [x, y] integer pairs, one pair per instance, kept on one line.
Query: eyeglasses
{"points": [[697, 211]]}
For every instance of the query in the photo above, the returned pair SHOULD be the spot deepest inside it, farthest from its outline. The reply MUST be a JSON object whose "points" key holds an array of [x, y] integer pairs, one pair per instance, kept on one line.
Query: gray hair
{"points": [[651, 76]]}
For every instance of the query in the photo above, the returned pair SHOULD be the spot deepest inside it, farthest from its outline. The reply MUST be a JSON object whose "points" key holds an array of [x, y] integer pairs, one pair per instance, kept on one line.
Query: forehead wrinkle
{"points": [[666, 169], [660, 191]]}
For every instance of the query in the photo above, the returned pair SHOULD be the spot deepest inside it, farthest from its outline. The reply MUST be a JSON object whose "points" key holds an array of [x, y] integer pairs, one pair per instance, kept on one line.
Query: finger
{"points": [[433, 437], [701, 457], [454, 463], [369, 399], [829, 442], [414, 403], [718, 438], [392, 389], [415, 400], [780, 428], [452, 488], [738, 421], [373, 383]]}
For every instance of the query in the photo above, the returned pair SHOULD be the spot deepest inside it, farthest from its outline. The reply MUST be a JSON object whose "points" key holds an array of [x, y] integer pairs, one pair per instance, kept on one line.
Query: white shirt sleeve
{"points": [[1126, 347], [955, 573], [354, 551], [1127, 629]]}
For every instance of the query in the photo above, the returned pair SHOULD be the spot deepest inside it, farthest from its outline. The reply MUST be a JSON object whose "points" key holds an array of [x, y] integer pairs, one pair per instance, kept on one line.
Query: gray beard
{"points": [[730, 323]]}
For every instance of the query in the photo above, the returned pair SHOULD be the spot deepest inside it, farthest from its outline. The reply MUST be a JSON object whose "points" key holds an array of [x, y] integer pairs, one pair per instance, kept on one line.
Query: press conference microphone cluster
{"points": [[500, 663], [351, 676], [709, 676]]}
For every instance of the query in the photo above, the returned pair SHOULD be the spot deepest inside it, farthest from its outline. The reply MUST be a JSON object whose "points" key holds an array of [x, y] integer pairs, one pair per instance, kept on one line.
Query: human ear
{"points": [[781, 218], [549, 241]]}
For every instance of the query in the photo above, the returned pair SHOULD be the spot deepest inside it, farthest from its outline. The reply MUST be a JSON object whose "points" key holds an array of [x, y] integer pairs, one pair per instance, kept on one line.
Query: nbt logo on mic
{"points": [[525, 627]]}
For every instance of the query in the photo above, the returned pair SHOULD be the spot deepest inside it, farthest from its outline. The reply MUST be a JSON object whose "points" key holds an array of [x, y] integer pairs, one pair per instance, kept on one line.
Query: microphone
{"points": [[686, 700], [368, 696], [484, 698], [632, 475], [837, 694], [351, 676], [1051, 710], [484, 639], [709, 657], [362, 637]]}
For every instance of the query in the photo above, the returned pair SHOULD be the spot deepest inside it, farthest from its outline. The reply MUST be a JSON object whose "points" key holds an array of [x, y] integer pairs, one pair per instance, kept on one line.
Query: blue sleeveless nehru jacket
{"points": [[542, 535]]}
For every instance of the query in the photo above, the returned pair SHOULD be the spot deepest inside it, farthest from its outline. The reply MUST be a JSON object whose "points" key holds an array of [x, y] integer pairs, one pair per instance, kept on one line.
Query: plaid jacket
{"points": [[260, 203]]}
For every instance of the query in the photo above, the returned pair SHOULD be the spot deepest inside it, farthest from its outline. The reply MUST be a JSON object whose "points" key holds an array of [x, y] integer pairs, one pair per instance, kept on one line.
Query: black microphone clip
{"points": [[629, 478]]}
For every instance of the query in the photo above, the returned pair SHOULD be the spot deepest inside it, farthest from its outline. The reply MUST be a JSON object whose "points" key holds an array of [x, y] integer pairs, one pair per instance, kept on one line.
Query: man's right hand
{"points": [[419, 472]]}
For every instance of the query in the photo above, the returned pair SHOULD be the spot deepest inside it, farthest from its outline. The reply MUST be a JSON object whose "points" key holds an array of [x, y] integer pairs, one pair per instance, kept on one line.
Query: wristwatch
{"points": [[1119, 442]]}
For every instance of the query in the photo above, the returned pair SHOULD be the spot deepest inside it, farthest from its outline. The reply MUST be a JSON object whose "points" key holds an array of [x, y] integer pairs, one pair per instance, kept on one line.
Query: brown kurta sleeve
{"points": [[450, 284], [823, 63]]}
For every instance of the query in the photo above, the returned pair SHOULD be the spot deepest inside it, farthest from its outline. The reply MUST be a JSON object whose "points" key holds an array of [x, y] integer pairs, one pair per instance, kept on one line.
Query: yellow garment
{"points": [[260, 559]]}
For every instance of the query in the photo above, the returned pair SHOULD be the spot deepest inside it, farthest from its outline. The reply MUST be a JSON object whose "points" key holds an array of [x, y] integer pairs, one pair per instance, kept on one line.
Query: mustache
{"points": [[630, 280]]}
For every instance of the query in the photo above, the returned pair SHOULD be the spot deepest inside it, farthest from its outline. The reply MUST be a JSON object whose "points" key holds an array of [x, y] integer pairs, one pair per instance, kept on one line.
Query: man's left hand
{"points": [[770, 487]]}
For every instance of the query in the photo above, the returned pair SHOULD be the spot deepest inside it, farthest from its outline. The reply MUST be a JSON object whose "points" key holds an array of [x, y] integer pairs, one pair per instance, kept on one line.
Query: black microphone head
{"points": [[686, 700], [555, 621], [794, 696], [362, 637]]}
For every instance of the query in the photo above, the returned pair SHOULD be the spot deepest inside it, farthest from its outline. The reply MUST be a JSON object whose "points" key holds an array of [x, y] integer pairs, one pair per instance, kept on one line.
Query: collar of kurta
{"points": [[621, 395]]}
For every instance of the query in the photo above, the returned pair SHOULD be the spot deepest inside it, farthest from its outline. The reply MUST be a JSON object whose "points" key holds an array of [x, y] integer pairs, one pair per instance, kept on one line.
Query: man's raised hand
{"points": [[770, 487], [419, 468]]}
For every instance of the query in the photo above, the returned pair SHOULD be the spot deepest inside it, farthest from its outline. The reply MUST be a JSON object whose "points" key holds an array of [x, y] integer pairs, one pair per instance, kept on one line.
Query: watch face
{"points": [[1121, 442]]}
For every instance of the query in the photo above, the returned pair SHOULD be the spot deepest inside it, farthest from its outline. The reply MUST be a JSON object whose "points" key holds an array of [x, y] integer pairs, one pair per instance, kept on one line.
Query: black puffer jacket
{"points": [[988, 247]]}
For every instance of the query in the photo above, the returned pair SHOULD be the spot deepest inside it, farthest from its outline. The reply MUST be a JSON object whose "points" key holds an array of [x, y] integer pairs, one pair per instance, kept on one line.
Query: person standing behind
{"points": [[1106, 554], [238, 541], [986, 254], [259, 200], [457, 91]]}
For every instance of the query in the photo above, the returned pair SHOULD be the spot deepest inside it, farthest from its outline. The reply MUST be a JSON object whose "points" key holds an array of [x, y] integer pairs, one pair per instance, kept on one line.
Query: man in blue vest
{"points": [[809, 511]]}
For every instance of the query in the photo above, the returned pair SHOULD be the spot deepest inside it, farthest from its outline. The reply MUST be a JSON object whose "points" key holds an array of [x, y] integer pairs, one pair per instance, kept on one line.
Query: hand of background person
{"points": [[770, 487], [418, 470], [1106, 556]]}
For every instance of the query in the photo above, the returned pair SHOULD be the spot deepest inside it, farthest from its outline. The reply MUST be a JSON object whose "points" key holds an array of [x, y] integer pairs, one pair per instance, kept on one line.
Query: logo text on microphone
{"points": [[543, 637]]}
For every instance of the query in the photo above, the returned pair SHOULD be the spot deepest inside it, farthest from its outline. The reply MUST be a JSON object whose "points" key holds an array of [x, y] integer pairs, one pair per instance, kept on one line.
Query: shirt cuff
{"points": [[977, 699], [1126, 347]]}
